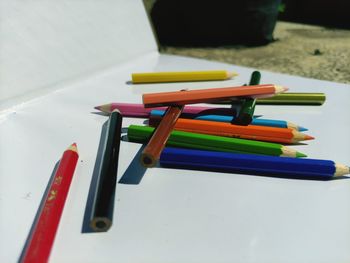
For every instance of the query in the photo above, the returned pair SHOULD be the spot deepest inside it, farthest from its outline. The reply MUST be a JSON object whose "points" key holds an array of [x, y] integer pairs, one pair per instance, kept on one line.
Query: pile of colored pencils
{"points": [[185, 136]]}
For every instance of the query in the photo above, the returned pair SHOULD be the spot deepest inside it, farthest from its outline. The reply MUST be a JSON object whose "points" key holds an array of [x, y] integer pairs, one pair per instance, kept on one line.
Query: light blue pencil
{"points": [[226, 118]]}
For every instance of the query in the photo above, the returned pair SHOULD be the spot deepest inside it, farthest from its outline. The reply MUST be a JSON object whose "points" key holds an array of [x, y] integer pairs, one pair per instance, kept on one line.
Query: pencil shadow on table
{"points": [[42, 203], [93, 185], [135, 171]]}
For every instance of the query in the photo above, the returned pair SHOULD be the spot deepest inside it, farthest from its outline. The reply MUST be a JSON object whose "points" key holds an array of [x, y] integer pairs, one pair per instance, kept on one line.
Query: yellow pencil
{"points": [[154, 77]]}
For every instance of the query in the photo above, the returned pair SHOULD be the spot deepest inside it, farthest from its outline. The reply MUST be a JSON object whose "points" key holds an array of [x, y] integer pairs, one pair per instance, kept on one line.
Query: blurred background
{"points": [[308, 38]]}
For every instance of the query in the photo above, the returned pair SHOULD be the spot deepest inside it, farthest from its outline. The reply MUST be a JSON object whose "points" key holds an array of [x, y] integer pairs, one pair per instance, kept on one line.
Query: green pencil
{"points": [[293, 98], [245, 115], [191, 140], [287, 98]]}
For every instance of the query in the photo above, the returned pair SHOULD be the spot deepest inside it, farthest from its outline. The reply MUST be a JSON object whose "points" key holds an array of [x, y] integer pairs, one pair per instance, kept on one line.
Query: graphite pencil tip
{"points": [[106, 108]]}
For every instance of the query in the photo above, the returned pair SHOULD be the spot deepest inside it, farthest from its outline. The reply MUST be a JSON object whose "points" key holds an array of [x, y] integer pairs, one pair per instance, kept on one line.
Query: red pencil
{"points": [[45, 226]]}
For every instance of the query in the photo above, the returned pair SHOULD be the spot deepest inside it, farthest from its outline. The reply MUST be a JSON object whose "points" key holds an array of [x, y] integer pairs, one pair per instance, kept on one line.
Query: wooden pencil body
{"points": [[245, 115], [289, 98], [227, 117], [214, 143], [207, 95], [294, 98], [44, 228], [138, 110], [153, 149], [252, 164], [253, 132], [180, 76]]}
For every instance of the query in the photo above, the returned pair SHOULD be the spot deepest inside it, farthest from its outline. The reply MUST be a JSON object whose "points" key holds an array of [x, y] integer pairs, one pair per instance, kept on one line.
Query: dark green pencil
{"points": [[101, 218], [246, 113], [191, 140]]}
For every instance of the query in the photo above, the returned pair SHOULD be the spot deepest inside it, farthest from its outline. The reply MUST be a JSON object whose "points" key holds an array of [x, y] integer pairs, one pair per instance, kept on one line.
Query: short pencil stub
{"points": [[100, 224], [147, 160]]}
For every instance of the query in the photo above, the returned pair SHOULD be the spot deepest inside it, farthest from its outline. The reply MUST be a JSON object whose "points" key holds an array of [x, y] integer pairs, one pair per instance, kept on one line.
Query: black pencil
{"points": [[101, 218]]}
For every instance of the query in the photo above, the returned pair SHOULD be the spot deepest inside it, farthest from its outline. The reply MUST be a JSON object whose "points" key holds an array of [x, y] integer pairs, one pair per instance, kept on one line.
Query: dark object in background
{"points": [[213, 23], [330, 13]]}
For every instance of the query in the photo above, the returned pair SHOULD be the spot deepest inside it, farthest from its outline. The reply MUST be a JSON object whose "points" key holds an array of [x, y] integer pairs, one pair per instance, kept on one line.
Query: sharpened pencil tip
{"points": [[106, 108], [341, 169], [231, 74], [299, 155], [308, 137], [296, 127], [73, 147], [280, 89], [302, 129]]}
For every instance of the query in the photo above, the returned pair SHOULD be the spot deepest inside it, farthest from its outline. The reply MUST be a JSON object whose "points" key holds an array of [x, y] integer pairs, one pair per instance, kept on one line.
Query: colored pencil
{"points": [[101, 218], [295, 99], [156, 144], [138, 110], [181, 76], [228, 118], [252, 132], [289, 98], [42, 235], [184, 97], [214, 143], [298, 168], [246, 113]]}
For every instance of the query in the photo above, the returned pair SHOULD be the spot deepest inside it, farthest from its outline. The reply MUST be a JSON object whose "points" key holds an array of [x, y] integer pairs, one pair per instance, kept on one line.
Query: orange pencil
{"points": [[252, 132], [156, 144], [209, 95]]}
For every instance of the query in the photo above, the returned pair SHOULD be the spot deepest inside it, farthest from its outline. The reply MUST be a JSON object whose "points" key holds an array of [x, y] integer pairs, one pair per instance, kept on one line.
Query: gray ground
{"points": [[304, 50]]}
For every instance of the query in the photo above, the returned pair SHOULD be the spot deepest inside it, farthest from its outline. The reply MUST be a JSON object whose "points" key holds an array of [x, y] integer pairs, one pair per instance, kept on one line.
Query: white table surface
{"points": [[174, 215]]}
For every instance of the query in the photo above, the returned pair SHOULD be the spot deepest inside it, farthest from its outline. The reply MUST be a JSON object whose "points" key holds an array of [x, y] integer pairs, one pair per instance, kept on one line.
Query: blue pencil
{"points": [[227, 118], [252, 164]]}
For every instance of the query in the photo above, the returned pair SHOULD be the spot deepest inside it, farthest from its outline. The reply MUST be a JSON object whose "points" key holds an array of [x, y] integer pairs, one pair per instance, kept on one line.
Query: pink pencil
{"points": [[138, 110]]}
